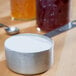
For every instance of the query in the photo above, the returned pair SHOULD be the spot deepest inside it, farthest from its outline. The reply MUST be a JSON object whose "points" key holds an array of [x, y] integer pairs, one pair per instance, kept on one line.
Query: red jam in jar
{"points": [[52, 14]]}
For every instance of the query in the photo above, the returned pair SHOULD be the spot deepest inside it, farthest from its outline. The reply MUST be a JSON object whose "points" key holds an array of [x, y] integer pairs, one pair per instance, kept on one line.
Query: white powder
{"points": [[28, 43]]}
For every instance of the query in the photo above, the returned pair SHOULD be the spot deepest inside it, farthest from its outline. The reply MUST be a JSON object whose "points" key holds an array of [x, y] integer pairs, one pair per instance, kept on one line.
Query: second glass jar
{"points": [[52, 14]]}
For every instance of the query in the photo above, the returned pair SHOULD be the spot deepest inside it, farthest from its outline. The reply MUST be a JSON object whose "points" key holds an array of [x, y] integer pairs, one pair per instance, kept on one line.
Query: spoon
{"points": [[10, 30]]}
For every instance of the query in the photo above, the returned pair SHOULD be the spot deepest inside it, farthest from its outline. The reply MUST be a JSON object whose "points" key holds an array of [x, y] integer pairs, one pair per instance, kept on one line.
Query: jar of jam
{"points": [[52, 14]]}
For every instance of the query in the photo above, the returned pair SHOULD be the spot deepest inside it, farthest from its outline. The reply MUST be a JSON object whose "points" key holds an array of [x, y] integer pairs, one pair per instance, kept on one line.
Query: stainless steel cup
{"points": [[30, 63]]}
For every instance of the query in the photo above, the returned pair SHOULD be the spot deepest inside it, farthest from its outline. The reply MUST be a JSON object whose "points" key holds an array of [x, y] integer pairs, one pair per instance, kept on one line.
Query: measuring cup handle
{"points": [[61, 29]]}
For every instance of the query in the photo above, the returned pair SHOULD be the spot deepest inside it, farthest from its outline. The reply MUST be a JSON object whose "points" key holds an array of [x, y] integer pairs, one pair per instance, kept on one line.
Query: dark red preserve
{"points": [[52, 14]]}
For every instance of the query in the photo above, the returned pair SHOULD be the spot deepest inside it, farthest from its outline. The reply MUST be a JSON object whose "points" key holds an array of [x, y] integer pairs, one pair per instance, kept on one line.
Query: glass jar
{"points": [[52, 14], [23, 9]]}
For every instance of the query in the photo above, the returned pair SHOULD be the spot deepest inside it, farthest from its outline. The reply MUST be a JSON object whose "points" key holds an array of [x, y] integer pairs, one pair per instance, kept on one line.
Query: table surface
{"points": [[65, 43]]}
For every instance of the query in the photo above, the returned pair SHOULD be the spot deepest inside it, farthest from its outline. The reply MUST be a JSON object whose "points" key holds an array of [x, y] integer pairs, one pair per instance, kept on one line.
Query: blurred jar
{"points": [[23, 9], [52, 14]]}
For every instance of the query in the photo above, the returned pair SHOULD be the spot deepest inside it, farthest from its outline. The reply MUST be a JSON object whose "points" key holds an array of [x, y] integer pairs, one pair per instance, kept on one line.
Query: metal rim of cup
{"points": [[31, 34]]}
